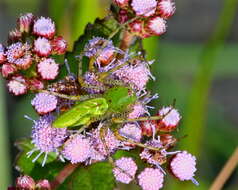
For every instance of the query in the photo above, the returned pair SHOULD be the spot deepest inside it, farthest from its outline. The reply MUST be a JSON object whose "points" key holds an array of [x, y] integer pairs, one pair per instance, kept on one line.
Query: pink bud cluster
{"points": [[27, 183], [30, 47], [151, 15]]}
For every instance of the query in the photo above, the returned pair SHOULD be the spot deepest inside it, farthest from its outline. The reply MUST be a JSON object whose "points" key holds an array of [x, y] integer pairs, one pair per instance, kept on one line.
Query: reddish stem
{"points": [[63, 174]]}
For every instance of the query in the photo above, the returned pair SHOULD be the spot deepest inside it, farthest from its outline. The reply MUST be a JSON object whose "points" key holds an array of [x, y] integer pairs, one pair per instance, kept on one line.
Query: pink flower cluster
{"points": [[30, 47], [151, 15]]}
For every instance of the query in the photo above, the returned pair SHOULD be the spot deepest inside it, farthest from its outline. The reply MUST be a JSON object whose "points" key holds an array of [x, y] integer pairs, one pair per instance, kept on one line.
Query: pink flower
{"points": [[8, 69], [137, 76], [44, 27], [136, 26], [43, 184], [156, 26], [48, 69], [137, 111], [25, 182], [101, 148], [77, 149], [166, 8], [35, 84], [144, 7], [148, 128], [151, 179], [25, 22], [122, 3], [2, 54], [14, 36], [17, 85], [183, 166], [131, 131], [42, 47], [59, 45], [14, 52], [44, 103], [170, 121], [125, 170]]}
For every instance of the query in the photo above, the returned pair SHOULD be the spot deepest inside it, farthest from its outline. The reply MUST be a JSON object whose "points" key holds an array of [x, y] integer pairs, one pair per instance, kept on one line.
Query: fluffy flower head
{"points": [[156, 26], [44, 27], [44, 103], [183, 166], [17, 85], [48, 69], [144, 7], [45, 137], [125, 170], [42, 46], [77, 149], [166, 8], [151, 179]]}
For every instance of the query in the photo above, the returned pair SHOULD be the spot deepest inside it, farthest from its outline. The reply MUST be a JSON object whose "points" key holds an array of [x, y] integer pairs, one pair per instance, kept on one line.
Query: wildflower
{"points": [[17, 85], [44, 103], [105, 56], [46, 138], [122, 3], [137, 76], [103, 145], [14, 36], [59, 45], [144, 7], [48, 69], [44, 27], [131, 131], [148, 128], [14, 52], [151, 179], [8, 69], [2, 54], [171, 118], [93, 86], [156, 26], [35, 84], [138, 110], [25, 22], [43, 184], [42, 47], [136, 26], [95, 45], [183, 166], [77, 149], [25, 182], [125, 170], [166, 8]]}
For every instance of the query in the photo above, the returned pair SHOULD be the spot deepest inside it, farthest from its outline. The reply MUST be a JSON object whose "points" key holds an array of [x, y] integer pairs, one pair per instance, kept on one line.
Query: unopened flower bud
{"points": [[123, 16], [59, 45], [14, 36], [25, 22], [8, 69], [35, 84], [25, 183], [43, 185]]}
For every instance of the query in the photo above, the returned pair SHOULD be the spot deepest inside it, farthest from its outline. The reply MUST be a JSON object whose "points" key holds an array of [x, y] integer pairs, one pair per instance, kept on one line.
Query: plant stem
{"points": [[126, 40], [226, 171], [69, 97], [60, 178]]}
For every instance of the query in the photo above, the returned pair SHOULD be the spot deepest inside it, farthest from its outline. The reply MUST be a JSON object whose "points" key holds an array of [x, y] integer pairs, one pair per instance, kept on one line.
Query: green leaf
{"points": [[98, 176], [119, 98], [77, 114], [35, 170]]}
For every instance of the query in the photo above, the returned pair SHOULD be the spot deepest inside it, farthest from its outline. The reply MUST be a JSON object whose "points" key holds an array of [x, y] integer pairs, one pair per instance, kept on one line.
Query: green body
{"points": [[115, 100]]}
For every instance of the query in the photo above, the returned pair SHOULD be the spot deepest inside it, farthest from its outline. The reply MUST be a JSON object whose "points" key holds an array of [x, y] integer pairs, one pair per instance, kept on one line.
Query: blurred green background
{"points": [[196, 63]]}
